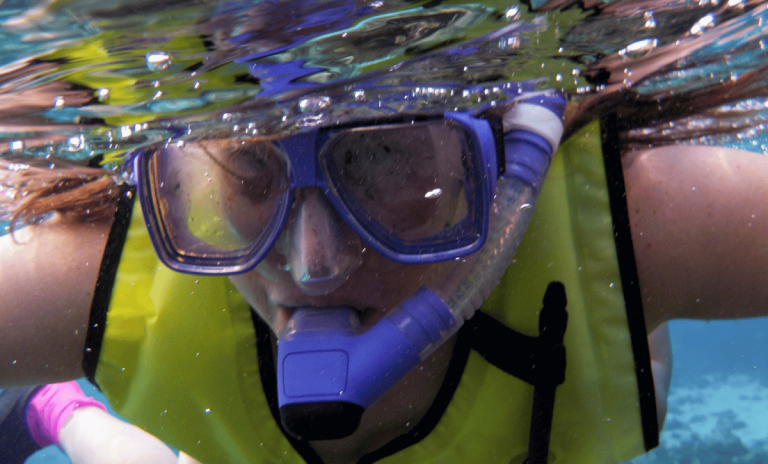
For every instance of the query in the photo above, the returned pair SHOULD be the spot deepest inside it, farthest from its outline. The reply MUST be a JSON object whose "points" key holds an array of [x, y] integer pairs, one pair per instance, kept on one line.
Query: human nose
{"points": [[323, 250]]}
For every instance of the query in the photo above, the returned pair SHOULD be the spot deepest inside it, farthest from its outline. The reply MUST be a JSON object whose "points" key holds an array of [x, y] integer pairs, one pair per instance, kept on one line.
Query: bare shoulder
{"points": [[47, 279], [699, 219]]}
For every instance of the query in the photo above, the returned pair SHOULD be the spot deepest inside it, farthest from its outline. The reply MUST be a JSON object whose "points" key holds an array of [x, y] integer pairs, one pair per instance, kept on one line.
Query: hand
{"points": [[92, 436], [187, 459]]}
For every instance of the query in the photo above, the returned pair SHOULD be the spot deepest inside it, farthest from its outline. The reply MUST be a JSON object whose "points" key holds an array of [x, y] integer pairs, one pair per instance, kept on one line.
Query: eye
{"points": [[252, 170]]}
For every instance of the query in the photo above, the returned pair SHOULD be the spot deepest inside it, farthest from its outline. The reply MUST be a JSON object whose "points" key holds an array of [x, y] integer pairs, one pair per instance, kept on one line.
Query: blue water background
{"points": [[700, 349]]}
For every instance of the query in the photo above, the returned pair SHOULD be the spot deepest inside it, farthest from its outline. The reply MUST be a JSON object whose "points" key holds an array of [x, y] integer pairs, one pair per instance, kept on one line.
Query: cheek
{"points": [[252, 287]]}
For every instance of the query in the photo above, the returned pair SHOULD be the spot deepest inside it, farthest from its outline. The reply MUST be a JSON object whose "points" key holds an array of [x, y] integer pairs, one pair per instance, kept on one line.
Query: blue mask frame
{"points": [[307, 170]]}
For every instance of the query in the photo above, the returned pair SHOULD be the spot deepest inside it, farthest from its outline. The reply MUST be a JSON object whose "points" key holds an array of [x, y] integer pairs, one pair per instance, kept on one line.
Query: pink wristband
{"points": [[50, 408]]}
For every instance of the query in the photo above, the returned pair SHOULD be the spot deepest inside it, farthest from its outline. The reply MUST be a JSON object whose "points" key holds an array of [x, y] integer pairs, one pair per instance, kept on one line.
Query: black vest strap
{"points": [[611, 127], [539, 361], [105, 282]]}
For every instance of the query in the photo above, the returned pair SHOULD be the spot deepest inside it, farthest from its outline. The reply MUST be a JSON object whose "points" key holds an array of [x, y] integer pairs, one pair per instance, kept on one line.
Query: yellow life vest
{"points": [[178, 355]]}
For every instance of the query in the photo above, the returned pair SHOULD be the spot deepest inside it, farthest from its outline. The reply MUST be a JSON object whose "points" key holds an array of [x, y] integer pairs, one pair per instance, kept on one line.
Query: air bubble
{"points": [[512, 13], [76, 143], [314, 103], [650, 21], [639, 48], [58, 102], [526, 207], [102, 94], [703, 25], [158, 61], [16, 145]]}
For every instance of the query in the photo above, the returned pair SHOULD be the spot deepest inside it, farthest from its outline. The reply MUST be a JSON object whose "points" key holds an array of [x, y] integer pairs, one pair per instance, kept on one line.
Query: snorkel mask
{"points": [[378, 172]]}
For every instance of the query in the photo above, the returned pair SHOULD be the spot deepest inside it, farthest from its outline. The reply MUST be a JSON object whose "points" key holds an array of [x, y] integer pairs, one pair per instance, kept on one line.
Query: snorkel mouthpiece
{"points": [[329, 373]]}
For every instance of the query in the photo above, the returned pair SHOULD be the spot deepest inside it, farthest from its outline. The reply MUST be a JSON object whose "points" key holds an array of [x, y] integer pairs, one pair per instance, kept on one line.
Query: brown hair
{"points": [[34, 188], [618, 75]]}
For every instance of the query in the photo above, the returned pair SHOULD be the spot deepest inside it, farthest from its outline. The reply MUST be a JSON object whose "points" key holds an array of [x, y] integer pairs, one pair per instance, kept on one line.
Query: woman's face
{"points": [[320, 262]]}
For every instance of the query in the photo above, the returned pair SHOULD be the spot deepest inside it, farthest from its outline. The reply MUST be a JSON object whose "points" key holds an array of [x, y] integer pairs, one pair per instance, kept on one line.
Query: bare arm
{"points": [[699, 219], [46, 287]]}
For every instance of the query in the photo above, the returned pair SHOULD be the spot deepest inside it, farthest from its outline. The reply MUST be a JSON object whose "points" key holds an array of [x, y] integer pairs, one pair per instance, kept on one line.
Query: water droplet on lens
{"points": [[158, 61]]}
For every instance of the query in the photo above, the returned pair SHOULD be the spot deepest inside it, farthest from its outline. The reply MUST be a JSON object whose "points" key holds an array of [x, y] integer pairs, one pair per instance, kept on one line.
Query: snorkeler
{"points": [[324, 294]]}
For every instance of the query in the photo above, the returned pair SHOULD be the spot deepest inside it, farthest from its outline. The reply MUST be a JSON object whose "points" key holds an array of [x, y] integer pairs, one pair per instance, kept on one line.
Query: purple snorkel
{"points": [[329, 373]]}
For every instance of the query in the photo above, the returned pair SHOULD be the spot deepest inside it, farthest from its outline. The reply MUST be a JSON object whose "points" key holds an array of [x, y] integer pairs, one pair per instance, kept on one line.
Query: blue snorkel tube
{"points": [[329, 373]]}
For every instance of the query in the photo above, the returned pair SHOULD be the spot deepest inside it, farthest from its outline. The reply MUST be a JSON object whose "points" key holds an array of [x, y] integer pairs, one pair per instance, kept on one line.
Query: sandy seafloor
{"points": [[718, 401]]}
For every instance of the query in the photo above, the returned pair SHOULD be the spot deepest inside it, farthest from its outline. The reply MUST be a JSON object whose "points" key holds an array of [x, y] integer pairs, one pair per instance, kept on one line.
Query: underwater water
{"points": [[718, 400], [88, 81]]}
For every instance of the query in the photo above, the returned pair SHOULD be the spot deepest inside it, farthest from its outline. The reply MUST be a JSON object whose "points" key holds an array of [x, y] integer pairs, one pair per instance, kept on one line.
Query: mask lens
{"points": [[217, 199], [410, 185]]}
